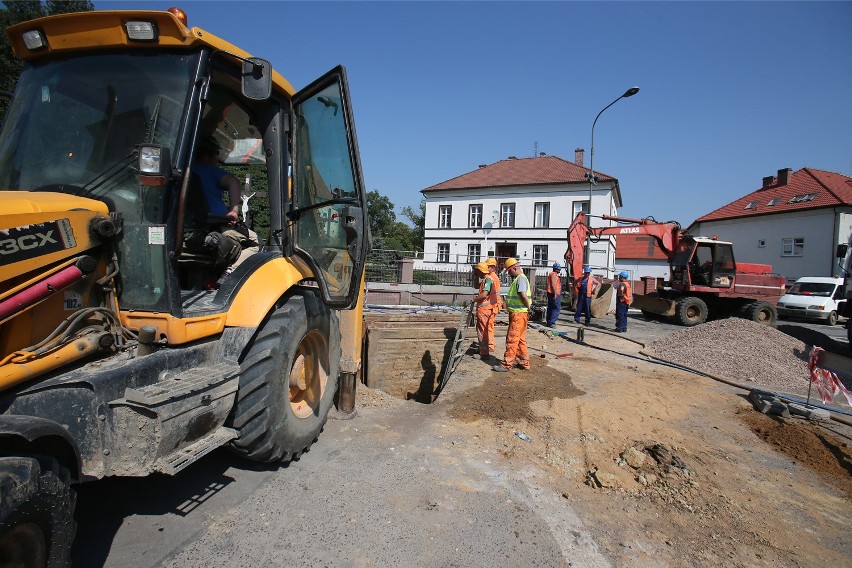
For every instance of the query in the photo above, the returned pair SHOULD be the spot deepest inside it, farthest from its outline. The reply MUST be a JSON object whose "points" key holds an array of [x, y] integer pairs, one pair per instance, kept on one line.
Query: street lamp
{"points": [[593, 179]]}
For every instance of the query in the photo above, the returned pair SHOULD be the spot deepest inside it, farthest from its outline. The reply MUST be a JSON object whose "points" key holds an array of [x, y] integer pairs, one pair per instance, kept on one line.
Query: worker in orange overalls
{"points": [[518, 305], [624, 297], [584, 291], [485, 300], [498, 305], [554, 294]]}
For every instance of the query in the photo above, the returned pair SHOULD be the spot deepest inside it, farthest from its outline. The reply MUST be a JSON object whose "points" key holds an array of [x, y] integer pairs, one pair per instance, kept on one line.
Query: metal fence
{"points": [[453, 270], [384, 266]]}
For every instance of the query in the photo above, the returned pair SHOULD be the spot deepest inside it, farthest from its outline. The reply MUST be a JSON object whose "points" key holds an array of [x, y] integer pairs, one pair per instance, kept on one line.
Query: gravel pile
{"points": [[741, 350]]}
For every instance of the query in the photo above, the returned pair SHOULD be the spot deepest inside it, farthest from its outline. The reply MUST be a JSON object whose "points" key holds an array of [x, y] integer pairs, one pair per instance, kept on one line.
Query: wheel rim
{"points": [[692, 312], [763, 316], [309, 375], [24, 545]]}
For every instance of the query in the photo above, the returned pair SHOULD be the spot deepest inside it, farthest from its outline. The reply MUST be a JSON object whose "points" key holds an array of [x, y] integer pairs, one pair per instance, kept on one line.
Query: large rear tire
{"points": [[691, 311], [288, 381], [763, 313], [36, 512]]}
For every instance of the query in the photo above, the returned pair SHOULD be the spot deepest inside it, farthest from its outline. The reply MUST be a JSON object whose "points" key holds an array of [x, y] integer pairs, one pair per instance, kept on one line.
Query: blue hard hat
{"points": [[587, 270], [623, 275], [557, 266]]}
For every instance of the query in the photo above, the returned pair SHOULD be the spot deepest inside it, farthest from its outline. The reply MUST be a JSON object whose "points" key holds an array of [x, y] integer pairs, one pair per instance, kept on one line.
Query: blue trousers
{"points": [[584, 305], [554, 303], [621, 316]]}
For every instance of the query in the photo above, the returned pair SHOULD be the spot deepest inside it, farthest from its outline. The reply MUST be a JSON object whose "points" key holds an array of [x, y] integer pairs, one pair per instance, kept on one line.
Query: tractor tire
{"points": [[832, 318], [36, 512], [288, 380], [763, 313], [691, 311]]}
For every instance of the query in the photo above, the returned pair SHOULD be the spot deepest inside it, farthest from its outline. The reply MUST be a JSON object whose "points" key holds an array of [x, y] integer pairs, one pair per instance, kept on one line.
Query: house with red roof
{"points": [[793, 222], [640, 255], [517, 207]]}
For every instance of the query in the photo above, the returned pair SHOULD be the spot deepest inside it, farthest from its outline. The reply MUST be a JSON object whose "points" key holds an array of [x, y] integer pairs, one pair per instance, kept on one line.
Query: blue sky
{"points": [[730, 91]]}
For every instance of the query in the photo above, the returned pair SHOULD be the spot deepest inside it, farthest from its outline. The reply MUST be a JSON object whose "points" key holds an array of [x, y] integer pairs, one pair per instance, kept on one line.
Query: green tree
{"points": [[15, 11], [401, 237], [381, 215], [418, 219]]}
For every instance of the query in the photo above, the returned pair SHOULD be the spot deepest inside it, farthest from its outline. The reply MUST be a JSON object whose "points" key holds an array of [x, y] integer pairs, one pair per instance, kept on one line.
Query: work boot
{"points": [[500, 369]]}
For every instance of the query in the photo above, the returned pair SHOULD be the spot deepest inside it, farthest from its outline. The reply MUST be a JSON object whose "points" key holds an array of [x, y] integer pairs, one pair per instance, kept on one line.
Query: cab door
{"points": [[328, 202]]}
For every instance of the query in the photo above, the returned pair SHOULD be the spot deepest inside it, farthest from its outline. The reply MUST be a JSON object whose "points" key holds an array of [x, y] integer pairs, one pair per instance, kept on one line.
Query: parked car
{"points": [[813, 297]]}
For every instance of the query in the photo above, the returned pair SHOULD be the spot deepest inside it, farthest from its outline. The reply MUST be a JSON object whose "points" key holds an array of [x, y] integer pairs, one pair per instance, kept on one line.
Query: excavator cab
{"points": [[702, 262]]}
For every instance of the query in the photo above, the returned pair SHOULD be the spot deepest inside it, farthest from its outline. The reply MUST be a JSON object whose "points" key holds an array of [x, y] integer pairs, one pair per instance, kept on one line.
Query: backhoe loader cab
{"points": [[128, 342]]}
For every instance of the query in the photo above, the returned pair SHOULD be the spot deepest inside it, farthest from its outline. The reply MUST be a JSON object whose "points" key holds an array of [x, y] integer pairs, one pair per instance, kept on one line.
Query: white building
{"points": [[794, 222], [517, 207]]}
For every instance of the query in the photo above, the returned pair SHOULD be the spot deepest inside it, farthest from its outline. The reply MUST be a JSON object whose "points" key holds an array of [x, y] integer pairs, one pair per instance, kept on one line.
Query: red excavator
{"points": [[705, 278]]}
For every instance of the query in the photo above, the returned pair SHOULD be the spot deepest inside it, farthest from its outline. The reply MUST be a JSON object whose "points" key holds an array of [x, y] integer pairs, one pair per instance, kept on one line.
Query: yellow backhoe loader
{"points": [[131, 339]]}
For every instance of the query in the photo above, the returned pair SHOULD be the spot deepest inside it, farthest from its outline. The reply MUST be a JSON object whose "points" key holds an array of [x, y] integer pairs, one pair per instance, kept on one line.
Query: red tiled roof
{"points": [[520, 171], [638, 247], [831, 190]]}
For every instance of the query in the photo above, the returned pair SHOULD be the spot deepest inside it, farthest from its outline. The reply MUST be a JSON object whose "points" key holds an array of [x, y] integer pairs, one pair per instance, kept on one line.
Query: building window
{"points": [[474, 253], [443, 252], [474, 219], [751, 205], [542, 215], [445, 214], [792, 246], [539, 255], [507, 214], [581, 206], [774, 201]]}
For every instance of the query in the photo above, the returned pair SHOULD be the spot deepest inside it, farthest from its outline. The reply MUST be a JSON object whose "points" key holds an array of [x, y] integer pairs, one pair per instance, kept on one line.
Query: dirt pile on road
{"points": [[741, 350]]}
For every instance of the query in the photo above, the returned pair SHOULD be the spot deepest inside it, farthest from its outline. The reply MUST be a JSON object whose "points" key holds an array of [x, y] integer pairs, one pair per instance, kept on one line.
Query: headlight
{"points": [[141, 31], [149, 159], [155, 165]]}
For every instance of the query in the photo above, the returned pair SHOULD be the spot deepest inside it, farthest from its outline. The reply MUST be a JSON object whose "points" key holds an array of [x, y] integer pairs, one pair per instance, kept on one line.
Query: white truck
{"points": [[814, 297]]}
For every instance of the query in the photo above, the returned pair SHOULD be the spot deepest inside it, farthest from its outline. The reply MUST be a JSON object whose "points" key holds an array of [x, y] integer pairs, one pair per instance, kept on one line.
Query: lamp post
{"points": [[593, 179]]}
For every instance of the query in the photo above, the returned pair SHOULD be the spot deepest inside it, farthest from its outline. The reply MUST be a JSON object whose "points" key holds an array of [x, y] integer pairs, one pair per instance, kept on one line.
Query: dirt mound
{"points": [[739, 349]]}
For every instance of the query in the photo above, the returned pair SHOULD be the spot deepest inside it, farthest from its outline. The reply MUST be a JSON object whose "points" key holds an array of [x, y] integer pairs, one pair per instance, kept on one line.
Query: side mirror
{"points": [[841, 251], [257, 79]]}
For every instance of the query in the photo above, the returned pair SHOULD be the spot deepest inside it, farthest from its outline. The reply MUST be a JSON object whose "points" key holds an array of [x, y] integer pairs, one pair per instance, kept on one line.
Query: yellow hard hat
{"points": [[491, 261], [482, 267], [510, 262]]}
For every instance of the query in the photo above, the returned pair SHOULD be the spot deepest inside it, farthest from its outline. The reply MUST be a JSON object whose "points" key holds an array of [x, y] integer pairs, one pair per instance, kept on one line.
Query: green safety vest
{"points": [[513, 300]]}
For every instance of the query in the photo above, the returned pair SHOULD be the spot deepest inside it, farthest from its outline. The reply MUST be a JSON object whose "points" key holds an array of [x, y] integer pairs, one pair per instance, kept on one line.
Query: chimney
{"points": [[768, 181], [542, 154], [784, 176], [482, 165], [578, 156]]}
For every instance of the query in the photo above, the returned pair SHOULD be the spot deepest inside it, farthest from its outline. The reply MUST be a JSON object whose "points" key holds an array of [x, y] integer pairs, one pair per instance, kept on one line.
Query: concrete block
{"points": [[810, 413]]}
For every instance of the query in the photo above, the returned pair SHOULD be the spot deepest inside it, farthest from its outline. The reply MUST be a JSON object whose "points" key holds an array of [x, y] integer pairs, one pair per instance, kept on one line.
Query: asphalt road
{"points": [[314, 513]]}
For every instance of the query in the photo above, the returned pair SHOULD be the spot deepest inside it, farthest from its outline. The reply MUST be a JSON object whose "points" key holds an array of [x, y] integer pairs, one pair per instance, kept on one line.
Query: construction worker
{"points": [[624, 297], [518, 305], [485, 300], [495, 277], [584, 291], [554, 294]]}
